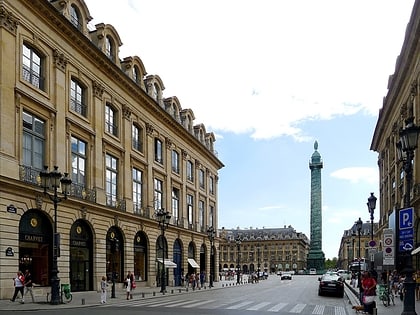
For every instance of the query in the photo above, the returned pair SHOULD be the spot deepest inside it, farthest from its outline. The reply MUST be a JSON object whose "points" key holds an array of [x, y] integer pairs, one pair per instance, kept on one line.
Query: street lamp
{"points": [[211, 234], [52, 180], [359, 225], [348, 253], [238, 247], [163, 217], [405, 149], [258, 257], [371, 204]]}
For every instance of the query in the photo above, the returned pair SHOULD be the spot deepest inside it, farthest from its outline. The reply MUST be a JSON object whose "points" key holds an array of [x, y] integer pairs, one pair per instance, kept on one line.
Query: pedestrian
{"points": [[28, 286], [202, 278], [18, 282], [417, 277], [128, 286], [104, 286], [369, 292]]}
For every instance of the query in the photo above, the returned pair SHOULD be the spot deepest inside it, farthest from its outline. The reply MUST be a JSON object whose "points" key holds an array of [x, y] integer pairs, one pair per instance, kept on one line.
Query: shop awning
{"points": [[417, 250], [193, 263], [168, 263]]}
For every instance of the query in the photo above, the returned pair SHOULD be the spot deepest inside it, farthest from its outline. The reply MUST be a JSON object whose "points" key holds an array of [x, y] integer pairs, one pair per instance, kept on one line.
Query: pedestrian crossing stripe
{"points": [[237, 305]]}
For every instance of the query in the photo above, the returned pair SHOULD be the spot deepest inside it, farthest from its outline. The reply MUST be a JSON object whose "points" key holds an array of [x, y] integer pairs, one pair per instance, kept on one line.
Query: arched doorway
{"points": [[202, 257], [115, 254], [140, 256], [245, 269], [192, 264], [35, 245], [161, 251], [81, 262], [178, 271]]}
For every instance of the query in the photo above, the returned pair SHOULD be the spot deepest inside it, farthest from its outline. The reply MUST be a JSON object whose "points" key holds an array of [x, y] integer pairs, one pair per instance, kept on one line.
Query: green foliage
{"points": [[331, 264]]}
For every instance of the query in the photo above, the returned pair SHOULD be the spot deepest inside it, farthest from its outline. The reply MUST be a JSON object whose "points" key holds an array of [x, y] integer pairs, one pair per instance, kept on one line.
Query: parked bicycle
{"points": [[385, 295], [65, 294]]}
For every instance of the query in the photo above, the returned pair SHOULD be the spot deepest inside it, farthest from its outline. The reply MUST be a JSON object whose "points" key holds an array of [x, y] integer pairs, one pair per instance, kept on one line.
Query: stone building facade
{"points": [[68, 99], [266, 249], [401, 102]]}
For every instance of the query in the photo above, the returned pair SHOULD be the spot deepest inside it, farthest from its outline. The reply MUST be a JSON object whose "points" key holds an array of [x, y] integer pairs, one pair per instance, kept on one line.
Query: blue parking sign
{"points": [[406, 218]]}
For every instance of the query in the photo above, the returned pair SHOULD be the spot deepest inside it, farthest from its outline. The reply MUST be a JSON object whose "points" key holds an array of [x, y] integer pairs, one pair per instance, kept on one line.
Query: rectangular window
{"points": [[137, 134], [201, 213], [111, 120], [211, 185], [78, 162], [158, 151], [190, 171], [175, 204], [190, 208], [32, 67], [175, 161], [211, 214], [201, 179], [77, 98], [33, 141], [137, 189], [111, 180], [158, 194]]}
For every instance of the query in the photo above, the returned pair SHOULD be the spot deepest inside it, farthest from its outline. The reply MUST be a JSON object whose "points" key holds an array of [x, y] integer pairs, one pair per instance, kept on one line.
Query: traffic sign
{"points": [[388, 254], [406, 218]]}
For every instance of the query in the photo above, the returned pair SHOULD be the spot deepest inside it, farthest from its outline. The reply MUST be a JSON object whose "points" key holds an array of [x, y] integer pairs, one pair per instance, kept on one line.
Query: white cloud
{"points": [[357, 174]]}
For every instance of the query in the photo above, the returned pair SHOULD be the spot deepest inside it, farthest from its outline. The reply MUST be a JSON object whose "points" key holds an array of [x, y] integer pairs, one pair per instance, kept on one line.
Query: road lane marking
{"points": [[298, 308], [277, 307], [319, 309], [198, 303], [235, 307], [258, 306], [339, 310]]}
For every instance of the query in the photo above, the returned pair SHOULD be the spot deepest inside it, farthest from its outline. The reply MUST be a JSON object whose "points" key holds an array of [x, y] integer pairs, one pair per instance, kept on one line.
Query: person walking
{"points": [[128, 286], [18, 282], [28, 286], [104, 286]]}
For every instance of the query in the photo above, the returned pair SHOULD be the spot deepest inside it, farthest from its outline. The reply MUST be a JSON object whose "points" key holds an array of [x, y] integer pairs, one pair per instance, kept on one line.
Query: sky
{"points": [[269, 78]]}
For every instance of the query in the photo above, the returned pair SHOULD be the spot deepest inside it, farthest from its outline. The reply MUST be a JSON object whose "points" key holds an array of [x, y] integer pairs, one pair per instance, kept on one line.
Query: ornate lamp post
{"points": [[405, 149], [258, 258], [52, 180], [371, 204], [211, 234], [359, 225], [238, 247], [163, 217]]}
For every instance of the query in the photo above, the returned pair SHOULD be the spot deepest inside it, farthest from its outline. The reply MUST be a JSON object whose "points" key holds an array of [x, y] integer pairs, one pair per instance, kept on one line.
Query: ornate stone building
{"points": [[401, 103], [270, 250], [68, 99]]}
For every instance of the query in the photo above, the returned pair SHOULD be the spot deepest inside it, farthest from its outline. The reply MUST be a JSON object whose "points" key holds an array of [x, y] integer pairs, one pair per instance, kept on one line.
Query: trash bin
{"points": [[65, 289]]}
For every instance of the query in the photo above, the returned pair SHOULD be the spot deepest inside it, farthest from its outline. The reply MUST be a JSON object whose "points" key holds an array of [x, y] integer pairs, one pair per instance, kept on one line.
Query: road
{"points": [[296, 296]]}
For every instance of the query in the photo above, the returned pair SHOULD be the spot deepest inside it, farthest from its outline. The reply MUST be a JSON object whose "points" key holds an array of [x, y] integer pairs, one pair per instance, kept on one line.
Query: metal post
{"points": [[163, 284], [55, 280]]}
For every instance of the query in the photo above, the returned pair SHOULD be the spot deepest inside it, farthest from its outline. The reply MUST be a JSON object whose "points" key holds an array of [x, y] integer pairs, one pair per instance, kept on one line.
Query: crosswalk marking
{"points": [[277, 307], [199, 303], [236, 306], [258, 306], [318, 310], [298, 308], [339, 310]]}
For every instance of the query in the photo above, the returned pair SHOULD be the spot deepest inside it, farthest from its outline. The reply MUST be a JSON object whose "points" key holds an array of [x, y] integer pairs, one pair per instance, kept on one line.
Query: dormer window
{"points": [[109, 48], [75, 17]]}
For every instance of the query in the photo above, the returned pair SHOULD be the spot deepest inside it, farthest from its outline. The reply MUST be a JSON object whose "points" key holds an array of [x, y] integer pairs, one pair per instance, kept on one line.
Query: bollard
{"points": [[186, 289], [154, 293], [179, 291], [172, 291], [142, 294], [83, 301], [375, 311]]}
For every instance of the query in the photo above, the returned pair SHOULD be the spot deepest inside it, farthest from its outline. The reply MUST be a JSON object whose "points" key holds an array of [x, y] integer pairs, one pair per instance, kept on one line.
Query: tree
{"points": [[331, 264]]}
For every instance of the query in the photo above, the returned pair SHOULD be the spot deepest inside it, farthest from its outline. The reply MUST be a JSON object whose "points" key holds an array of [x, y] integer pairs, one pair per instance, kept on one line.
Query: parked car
{"points": [[346, 275], [286, 275], [312, 271], [332, 284]]}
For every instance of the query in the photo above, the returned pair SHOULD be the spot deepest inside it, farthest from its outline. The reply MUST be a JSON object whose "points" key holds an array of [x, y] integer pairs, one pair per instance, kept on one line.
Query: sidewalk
{"points": [[352, 294], [93, 298]]}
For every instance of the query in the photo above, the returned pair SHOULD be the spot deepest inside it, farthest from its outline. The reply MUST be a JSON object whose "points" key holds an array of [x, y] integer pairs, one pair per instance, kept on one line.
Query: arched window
{"points": [[109, 48], [75, 17]]}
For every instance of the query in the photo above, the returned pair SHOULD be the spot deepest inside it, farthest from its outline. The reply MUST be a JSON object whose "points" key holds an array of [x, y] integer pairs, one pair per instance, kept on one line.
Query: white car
{"points": [[346, 275], [286, 275], [312, 271]]}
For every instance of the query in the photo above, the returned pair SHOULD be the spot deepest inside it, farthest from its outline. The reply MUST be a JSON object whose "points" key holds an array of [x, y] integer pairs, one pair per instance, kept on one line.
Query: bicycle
{"points": [[385, 295], [65, 294]]}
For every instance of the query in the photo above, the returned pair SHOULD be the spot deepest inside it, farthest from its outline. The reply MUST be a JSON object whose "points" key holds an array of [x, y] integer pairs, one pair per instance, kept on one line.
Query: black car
{"points": [[332, 284]]}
